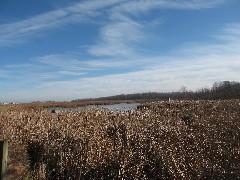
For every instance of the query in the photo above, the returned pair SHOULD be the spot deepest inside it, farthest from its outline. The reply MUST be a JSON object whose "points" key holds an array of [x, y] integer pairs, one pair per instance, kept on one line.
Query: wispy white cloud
{"points": [[62, 61], [174, 71], [71, 73], [231, 33], [141, 6], [103, 63], [124, 34], [117, 37], [233, 29], [225, 42], [195, 65], [3, 73], [162, 78], [70, 62], [18, 32], [43, 69], [194, 68]]}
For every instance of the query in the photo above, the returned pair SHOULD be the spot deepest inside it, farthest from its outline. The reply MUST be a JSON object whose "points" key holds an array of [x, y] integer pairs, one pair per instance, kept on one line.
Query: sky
{"points": [[62, 50]]}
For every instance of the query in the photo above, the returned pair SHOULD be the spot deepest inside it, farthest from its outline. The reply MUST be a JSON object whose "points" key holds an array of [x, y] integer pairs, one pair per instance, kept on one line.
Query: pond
{"points": [[113, 107]]}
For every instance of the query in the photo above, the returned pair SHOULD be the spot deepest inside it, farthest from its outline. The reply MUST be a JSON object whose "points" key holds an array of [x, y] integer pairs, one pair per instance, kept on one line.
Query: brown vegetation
{"points": [[163, 140]]}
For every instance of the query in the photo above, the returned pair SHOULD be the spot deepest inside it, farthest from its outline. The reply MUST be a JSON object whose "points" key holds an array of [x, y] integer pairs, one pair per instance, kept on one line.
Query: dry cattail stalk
{"points": [[163, 140]]}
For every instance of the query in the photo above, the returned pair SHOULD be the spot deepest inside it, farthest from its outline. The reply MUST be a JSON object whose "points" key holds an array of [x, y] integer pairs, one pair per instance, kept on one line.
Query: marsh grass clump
{"points": [[161, 140], [35, 152]]}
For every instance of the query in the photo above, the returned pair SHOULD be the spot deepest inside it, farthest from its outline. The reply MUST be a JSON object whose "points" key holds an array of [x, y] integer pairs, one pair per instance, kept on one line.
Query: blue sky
{"points": [[63, 50]]}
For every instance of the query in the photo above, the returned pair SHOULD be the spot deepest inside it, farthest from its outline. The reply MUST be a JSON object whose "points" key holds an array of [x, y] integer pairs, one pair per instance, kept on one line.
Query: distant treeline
{"points": [[219, 90]]}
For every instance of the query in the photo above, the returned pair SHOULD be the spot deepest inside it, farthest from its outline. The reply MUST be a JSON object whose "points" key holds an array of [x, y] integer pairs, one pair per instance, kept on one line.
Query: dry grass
{"points": [[165, 140]]}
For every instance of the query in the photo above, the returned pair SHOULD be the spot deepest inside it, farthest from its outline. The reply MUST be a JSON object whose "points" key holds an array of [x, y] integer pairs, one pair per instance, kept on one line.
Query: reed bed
{"points": [[163, 140]]}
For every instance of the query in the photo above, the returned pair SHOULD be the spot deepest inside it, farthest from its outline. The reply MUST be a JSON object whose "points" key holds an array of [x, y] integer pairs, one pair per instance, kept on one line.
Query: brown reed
{"points": [[164, 140]]}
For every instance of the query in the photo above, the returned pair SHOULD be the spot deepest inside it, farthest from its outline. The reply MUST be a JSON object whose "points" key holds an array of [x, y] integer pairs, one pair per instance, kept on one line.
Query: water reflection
{"points": [[113, 107]]}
